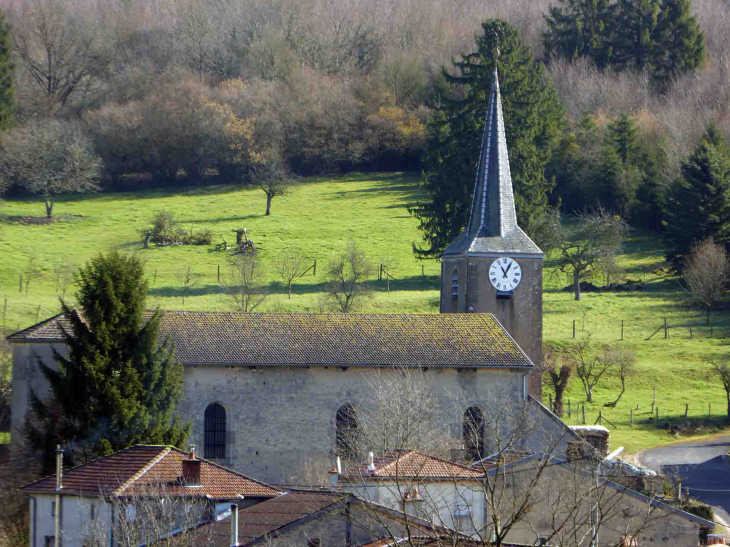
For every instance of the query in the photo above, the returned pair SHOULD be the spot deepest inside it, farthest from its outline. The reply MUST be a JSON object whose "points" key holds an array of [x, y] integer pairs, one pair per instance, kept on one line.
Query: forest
{"points": [[617, 104]]}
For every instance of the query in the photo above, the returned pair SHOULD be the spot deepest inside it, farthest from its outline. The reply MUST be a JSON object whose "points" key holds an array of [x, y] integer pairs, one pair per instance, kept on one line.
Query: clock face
{"points": [[505, 274]]}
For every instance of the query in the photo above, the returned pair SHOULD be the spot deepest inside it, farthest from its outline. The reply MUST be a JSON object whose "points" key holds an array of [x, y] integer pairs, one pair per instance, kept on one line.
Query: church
{"points": [[270, 393]]}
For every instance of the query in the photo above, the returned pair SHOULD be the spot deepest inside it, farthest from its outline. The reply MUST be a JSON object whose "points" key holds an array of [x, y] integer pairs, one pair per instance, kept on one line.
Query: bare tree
{"points": [[51, 158], [188, 280], [706, 272], [61, 53], [273, 178], [290, 266], [582, 247], [31, 272], [559, 378], [624, 361], [6, 383], [243, 284], [588, 368], [347, 275], [720, 367], [64, 272]]}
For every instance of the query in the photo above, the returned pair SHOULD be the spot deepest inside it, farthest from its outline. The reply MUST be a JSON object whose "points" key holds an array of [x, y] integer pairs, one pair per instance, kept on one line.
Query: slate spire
{"points": [[493, 206], [492, 224]]}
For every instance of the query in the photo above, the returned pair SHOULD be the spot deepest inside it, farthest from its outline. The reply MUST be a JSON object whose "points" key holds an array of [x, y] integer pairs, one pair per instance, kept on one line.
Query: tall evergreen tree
{"points": [[118, 384], [679, 41], [621, 135], [581, 28], [533, 119], [636, 24], [698, 204], [7, 68]]}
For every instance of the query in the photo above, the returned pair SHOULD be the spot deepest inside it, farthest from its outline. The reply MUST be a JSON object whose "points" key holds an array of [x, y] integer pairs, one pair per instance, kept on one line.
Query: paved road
{"points": [[703, 465]]}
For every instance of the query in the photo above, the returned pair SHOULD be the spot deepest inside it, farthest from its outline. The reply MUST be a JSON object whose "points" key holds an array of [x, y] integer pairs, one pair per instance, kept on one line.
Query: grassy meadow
{"points": [[318, 219]]}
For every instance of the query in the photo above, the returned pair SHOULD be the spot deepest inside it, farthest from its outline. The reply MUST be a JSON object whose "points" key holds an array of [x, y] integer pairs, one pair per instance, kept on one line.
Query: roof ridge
{"points": [[165, 451], [218, 466], [83, 464], [448, 462], [35, 325]]}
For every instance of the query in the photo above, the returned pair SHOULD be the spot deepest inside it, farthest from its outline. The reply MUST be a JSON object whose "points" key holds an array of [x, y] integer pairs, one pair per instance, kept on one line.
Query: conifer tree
{"points": [[679, 41], [621, 135], [118, 384], [7, 87], [533, 119], [698, 204], [580, 28], [636, 24]]}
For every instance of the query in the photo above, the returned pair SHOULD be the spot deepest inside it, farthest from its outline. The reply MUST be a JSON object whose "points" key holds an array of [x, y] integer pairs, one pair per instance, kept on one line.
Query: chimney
{"points": [[679, 491], [234, 525], [191, 469], [335, 473], [371, 462], [59, 467]]}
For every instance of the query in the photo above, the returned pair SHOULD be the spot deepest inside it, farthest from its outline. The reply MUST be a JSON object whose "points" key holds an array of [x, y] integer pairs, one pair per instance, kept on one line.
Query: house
{"points": [[565, 500], [421, 485], [272, 395], [318, 518], [113, 500]]}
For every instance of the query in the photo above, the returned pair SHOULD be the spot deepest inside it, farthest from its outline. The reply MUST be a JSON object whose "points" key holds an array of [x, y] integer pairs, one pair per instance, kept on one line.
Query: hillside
{"points": [[318, 219]]}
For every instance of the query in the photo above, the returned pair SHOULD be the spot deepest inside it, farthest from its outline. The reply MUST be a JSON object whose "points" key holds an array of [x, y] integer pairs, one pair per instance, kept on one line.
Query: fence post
{"points": [[38, 313], [666, 331], [154, 282], [709, 409], [600, 418], [315, 267], [21, 283], [657, 416], [686, 409], [632, 416], [570, 412], [573, 328], [584, 414], [622, 329], [5, 312], [423, 274], [219, 273], [653, 402]]}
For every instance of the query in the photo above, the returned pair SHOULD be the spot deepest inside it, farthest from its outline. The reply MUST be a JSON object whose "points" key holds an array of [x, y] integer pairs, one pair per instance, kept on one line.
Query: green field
{"points": [[318, 219]]}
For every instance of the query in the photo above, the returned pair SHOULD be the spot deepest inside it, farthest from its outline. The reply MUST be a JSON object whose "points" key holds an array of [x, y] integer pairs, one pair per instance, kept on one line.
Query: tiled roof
{"points": [[269, 516], [410, 464], [150, 470], [493, 222], [214, 338]]}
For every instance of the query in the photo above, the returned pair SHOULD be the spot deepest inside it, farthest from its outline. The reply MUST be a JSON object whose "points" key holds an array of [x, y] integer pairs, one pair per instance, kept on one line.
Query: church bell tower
{"points": [[493, 266]]}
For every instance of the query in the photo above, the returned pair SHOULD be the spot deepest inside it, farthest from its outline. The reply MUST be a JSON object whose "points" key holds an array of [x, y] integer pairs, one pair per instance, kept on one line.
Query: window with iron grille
{"points": [[215, 432], [346, 434]]}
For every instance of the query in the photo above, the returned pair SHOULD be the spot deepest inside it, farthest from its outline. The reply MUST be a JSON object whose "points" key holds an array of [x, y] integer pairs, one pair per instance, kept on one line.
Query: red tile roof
{"points": [[258, 339], [410, 464], [150, 470]]}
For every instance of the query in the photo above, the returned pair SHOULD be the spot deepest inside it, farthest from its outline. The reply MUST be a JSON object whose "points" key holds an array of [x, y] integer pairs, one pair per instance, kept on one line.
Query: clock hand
{"points": [[504, 272]]}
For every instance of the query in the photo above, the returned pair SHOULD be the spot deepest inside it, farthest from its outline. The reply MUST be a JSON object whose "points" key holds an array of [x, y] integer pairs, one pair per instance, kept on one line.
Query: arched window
{"points": [[474, 433], [455, 283], [215, 432], [346, 432]]}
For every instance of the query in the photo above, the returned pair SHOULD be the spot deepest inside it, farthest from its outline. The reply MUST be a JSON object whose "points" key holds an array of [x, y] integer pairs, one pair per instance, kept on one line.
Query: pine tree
{"points": [[698, 204], [117, 385], [7, 87], [679, 41], [621, 135], [580, 28], [636, 23], [533, 119]]}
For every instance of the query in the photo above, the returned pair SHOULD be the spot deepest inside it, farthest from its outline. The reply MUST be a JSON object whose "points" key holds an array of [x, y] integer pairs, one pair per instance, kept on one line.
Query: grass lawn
{"points": [[318, 218]]}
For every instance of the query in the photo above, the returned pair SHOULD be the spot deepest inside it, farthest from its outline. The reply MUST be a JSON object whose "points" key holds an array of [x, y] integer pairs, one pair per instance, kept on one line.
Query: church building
{"points": [[269, 394]]}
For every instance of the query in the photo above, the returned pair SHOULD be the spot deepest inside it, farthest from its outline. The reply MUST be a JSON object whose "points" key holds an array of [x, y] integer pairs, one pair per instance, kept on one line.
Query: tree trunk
{"points": [[268, 204], [589, 395], [289, 290], [576, 283], [623, 389], [49, 211], [708, 316]]}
